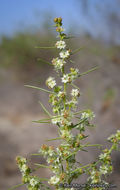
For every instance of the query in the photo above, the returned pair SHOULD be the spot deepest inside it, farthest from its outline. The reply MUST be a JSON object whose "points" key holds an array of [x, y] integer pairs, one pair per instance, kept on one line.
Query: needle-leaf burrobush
{"points": [[62, 160]]}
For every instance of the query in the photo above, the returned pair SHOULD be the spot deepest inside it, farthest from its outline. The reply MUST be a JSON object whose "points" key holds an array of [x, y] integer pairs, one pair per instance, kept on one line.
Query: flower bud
{"points": [[56, 19], [59, 19], [44, 147], [106, 150], [62, 176], [25, 179]]}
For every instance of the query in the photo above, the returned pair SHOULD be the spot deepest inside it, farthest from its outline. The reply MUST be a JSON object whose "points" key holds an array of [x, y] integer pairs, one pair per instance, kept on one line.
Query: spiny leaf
{"points": [[41, 121], [45, 47], [46, 62], [43, 179], [72, 61], [42, 165], [80, 168], [45, 110], [93, 69], [38, 88], [88, 145], [74, 86], [73, 126], [37, 154], [19, 185], [77, 50], [58, 138]]}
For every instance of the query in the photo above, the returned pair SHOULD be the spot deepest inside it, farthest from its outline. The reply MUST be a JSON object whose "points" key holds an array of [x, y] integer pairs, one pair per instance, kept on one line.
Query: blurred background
{"points": [[26, 24]]}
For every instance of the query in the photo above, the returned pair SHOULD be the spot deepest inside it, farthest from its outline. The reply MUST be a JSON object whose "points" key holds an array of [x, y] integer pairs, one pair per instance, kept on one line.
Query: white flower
{"points": [[75, 92], [51, 82], [87, 115], [66, 134], [24, 168], [60, 44], [61, 94], [55, 120], [23, 160], [51, 152], [58, 63], [72, 103], [65, 78], [33, 182], [54, 180], [104, 169], [58, 151], [64, 54], [111, 137], [74, 73], [102, 156]]}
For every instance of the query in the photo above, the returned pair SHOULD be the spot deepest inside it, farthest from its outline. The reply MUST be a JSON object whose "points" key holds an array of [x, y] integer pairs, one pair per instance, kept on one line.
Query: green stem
{"points": [[19, 185], [38, 88], [80, 168]]}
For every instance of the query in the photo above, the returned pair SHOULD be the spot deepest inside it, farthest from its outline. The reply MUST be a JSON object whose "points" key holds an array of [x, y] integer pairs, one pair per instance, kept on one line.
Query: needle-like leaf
{"points": [[45, 47], [93, 69], [38, 88], [45, 110], [19, 185], [46, 62]]}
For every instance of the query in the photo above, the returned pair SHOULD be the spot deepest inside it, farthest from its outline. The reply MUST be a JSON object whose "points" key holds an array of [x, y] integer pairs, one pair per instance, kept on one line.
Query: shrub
{"points": [[62, 160]]}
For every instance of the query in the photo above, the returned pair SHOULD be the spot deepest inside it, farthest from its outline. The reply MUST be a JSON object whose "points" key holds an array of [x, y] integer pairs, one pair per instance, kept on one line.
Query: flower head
{"points": [[66, 78], [75, 92], [58, 63], [88, 115], [33, 182], [64, 54], [24, 168], [60, 44], [51, 82], [54, 180]]}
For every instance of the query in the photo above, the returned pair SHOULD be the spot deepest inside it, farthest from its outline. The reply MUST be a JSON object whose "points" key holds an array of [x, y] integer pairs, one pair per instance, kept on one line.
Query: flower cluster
{"points": [[61, 160], [32, 182], [70, 77], [115, 138], [58, 63], [50, 82], [60, 44], [75, 93]]}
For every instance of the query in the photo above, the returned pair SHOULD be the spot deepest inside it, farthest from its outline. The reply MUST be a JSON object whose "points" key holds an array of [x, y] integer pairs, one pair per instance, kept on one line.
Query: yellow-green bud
{"points": [[56, 19], [59, 19]]}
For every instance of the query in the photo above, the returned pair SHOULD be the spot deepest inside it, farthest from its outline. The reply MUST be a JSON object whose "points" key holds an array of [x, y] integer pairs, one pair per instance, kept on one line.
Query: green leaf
{"points": [[45, 47], [19, 185], [38, 88], [93, 69], [73, 126], [80, 168], [45, 110], [88, 145], [37, 154], [58, 138], [74, 85], [69, 37], [41, 121], [41, 165], [77, 50], [46, 62], [72, 61], [43, 179]]}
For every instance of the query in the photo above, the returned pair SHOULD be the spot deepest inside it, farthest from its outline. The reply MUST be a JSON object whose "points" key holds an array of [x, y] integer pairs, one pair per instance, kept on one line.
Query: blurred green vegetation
{"points": [[19, 52]]}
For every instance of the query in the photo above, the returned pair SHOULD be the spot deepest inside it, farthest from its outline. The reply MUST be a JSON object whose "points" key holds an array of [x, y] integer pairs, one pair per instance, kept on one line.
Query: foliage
{"points": [[62, 160]]}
